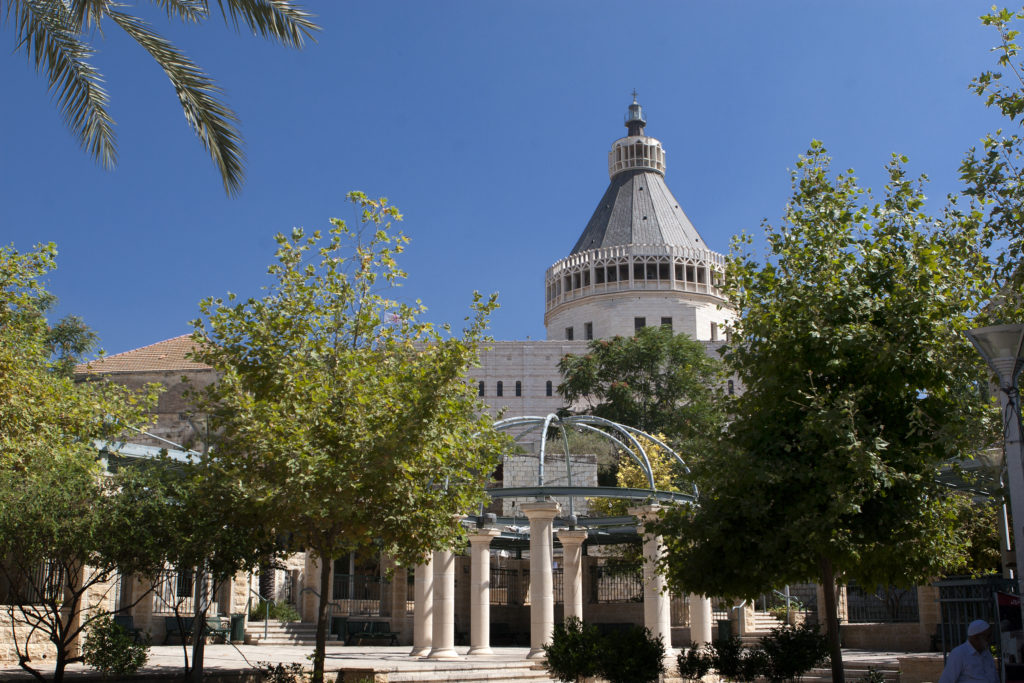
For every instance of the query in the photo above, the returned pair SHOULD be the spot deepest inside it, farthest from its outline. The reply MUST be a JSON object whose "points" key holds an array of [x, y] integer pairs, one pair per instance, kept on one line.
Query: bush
{"points": [[633, 656], [694, 663], [573, 652], [109, 649], [754, 663], [279, 611], [793, 652], [280, 673], [727, 657]]}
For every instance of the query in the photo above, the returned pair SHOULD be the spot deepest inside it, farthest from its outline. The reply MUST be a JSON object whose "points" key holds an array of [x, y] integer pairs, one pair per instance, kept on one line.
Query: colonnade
{"points": [[434, 617]]}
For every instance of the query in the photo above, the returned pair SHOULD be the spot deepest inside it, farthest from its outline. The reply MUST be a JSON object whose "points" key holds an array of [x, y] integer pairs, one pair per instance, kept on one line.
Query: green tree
{"points": [[340, 408], [659, 382], [993, 175], [55, 36], [859, 385], [58, 536]]}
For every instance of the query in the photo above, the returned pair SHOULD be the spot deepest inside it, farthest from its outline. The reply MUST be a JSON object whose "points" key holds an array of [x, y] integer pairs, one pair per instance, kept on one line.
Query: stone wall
{"points": [[39, 647]]}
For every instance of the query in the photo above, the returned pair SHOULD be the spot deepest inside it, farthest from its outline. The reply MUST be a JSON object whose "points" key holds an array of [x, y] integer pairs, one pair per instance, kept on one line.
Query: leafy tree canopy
{"points": [[994, 174], [340, 408], [55, 506], [56, 38], [659, 382], [859, 385]]}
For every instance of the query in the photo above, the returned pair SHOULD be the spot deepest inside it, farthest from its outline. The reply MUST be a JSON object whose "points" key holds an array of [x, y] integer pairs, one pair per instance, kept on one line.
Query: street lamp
{"points": [[1002, 347]]}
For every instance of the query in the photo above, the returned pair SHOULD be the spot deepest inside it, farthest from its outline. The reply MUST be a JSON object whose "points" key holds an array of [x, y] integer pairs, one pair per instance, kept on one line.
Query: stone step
{"points": [[504, 671], [852, 675]]}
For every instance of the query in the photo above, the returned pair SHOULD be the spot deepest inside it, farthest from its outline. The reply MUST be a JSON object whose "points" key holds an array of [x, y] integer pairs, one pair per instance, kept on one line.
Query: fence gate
{"points": [[961, 601]]}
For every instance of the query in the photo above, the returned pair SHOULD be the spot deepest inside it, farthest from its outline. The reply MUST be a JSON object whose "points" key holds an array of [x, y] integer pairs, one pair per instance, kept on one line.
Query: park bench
{"points": [[180, 628], [216, 628], [358, 632], [127, 622]]}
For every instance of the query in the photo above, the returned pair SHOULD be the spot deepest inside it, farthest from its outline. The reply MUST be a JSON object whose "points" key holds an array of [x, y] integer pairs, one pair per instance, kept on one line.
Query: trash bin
{"points": [[237, 628], [724, 629]]}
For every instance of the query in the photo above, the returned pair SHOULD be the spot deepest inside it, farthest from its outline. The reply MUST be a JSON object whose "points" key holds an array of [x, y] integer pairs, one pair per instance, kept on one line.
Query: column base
{"points": [[481, 650], [420, 652], [536, 653], [446, 653]]}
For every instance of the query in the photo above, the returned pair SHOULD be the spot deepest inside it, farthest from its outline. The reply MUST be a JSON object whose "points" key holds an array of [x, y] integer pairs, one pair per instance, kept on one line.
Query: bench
{"points": [[127, 622], [357, 632], [216, 628], [181, 628]]}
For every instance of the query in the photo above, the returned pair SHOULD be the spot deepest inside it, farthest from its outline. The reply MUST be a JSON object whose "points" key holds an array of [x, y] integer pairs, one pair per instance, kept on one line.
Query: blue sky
{"points": [[488, 125]]}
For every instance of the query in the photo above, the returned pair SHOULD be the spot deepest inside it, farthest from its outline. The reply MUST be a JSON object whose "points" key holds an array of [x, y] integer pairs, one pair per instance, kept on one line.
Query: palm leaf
{"points": [[50, 35], [280, 20], [212, 120]]}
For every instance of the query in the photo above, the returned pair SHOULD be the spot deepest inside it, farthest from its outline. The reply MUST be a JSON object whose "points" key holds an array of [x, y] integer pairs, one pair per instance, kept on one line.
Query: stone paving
{"points": [[167, 659]]}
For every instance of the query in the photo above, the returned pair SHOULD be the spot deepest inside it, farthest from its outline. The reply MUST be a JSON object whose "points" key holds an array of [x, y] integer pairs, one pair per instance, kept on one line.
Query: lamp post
{"points": [[1002, 347]]}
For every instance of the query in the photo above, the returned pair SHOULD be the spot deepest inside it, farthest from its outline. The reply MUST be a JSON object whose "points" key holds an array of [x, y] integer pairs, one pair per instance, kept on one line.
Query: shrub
{"points": [[793, 652], [572, 654], [753, 663], [279, 611], [280, 673], [111, 650], [633, 656], [694, 663], [727, 657]]}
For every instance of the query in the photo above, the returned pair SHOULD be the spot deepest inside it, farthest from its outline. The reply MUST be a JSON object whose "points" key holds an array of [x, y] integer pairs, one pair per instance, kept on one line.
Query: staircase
{"points": [[473, 671], [760, 626], [823, 674], [282, 633]]}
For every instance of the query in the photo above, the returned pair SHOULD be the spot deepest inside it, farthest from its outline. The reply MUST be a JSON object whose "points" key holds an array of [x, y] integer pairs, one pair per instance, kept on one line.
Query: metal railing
{"points": [[608, 585], [886, 604]]}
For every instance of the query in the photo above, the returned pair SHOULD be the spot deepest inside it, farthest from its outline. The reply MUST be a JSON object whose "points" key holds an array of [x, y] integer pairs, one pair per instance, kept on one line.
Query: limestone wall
{"points": [[39, 647]]}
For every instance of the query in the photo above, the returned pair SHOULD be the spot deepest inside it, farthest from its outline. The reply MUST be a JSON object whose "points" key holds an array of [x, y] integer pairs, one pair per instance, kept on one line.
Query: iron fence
{"points": [[886, 604], [508, 586], [43, 583], [356, 594], [961, 601], [176, 591], [612, 585]]}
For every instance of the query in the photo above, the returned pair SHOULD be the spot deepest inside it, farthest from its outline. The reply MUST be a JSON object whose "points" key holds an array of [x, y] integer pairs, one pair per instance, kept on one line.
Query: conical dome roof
{"points": [[637, 207]]}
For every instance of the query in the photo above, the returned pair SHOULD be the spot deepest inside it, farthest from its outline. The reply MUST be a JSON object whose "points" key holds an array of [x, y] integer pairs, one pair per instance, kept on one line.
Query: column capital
{"points": [[645, 513], [541, 509], [482, 536], [571, 536]]}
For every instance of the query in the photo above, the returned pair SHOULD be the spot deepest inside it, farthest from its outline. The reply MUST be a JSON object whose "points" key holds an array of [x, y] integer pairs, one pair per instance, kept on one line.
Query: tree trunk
{"points": [[199, 627], [321, 622], [828, 584]]}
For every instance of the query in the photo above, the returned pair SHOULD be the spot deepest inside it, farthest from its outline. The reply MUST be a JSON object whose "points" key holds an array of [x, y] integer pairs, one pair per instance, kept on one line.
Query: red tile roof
{"points": [[164, 355]]}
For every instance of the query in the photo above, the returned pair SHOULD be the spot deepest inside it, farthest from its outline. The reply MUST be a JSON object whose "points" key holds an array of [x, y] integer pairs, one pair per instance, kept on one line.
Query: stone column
{"points": [[572, 573], [542, 593], [423, 617], [480, 591], [443, 640], [657, 603], [700, 619]]}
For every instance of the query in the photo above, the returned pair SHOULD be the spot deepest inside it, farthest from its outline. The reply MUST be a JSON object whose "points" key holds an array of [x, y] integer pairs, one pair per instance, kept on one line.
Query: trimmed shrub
{"points": [[727, 657], [694, 663], [793, 652], [634, 656], [573, 652], [109, 649], [279, 611]]}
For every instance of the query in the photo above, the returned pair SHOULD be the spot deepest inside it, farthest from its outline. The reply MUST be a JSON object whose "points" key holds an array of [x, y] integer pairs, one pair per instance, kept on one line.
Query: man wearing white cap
{"points": [[971, 662]]}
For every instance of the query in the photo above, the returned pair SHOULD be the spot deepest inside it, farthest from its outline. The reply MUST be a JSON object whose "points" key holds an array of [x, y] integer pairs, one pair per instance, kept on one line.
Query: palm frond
{"points": [[212, 120], [50, 35], [191, 11], [280, 20]]}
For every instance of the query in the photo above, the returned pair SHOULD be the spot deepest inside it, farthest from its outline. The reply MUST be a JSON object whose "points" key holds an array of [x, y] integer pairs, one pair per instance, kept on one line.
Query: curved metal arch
{"points": [[623, 436]]}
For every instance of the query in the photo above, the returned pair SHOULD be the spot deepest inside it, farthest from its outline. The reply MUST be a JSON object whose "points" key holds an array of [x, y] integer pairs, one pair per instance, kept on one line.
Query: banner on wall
{"points": [[1011, 637]]}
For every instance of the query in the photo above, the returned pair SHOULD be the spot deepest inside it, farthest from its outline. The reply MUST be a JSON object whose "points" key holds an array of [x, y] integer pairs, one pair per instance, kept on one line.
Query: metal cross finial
{"points": [[634, 95]]}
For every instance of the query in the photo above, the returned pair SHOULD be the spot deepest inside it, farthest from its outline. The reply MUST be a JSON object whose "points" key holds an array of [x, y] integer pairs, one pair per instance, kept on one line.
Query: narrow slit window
{"points": [[588, 331], [519, 388], [547, 388], [500, 389], [480, 389]]}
